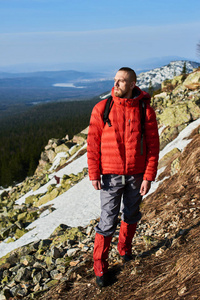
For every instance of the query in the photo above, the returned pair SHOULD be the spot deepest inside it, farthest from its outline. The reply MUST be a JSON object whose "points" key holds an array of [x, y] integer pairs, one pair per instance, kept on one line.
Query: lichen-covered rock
{"points": [[62, 148], [193, 79], [175, 166], [177, 80], [22, 216], [27, 260], [167, 135], [176, 115], [80, 138], [167, 157], [20, 232], [51, 283], [69, 234], [48, 197], [36, 186], [23, 274], [51, 154]]}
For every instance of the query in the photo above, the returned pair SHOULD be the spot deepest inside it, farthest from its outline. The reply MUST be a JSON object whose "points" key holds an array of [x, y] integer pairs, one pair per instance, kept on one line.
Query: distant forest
{"points": [[24, 135]]}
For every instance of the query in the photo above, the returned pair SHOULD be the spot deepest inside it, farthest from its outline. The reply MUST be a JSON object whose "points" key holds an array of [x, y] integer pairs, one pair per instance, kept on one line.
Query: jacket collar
{"points": [[137, 95]]}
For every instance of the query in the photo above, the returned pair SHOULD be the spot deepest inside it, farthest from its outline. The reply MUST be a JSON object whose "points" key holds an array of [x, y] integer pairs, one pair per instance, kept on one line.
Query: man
{"points": [[126, 162]]}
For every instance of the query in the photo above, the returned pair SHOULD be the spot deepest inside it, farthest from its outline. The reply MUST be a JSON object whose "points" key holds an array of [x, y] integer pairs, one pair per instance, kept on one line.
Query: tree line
{"points": [[24, 136]]}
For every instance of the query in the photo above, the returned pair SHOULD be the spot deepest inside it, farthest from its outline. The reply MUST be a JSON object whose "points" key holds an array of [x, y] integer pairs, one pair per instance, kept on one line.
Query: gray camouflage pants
{"points": [[119, 191]]}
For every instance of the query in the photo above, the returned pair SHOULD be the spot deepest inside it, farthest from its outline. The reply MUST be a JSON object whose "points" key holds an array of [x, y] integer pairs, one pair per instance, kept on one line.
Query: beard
{"points": [[119, 93]]}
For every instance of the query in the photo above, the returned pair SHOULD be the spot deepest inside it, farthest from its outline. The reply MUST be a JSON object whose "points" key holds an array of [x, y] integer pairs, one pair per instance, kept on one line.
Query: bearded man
{"points": [[122, 164]]}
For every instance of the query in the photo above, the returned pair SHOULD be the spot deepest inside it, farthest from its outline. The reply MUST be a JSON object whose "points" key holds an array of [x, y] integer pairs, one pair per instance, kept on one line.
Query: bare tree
{"points": [[198, 49]]}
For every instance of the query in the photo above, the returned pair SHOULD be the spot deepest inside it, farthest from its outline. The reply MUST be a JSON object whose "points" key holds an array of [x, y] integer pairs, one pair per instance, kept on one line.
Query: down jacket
{"points": [[117, 149]]}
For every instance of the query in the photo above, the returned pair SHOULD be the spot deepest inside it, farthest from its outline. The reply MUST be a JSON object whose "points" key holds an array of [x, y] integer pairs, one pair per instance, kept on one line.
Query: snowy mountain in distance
{"points": [[158, 75]]}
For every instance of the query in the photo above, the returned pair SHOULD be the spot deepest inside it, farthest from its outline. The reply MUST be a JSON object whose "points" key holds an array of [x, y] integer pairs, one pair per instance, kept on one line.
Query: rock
{"points": [[89, 230], [27, 260], [55, 274], [175, 115], [4, 233], [192, 79], [74, 149], [80, 138], [20, 232], [22, 216], [50, 154], [51, 283], [6, 294], [44, 244], [74, 263], [177, 80], [48, 197], [167, 157], [60, 230], [55, 253], [168, 134], [37, 278], [63, 160], [31, 199], [62, 148], [72, 252], [175, 166], [23, 274], [36, 187], [44, 157], [48, 261], [160, 252], [31, 216]]}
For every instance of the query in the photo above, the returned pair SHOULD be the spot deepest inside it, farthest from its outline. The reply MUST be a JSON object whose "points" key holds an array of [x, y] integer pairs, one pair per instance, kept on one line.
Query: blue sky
{"points": [[89, 34]]}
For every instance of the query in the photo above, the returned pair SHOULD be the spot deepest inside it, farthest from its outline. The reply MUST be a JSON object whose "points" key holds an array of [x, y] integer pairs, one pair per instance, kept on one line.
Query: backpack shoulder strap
{"points": [[142, 105], [142, 114], [109, 104]]}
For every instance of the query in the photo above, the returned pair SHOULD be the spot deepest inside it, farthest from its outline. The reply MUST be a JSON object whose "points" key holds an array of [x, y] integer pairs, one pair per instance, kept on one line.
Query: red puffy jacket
{"points": [[117, 149]]}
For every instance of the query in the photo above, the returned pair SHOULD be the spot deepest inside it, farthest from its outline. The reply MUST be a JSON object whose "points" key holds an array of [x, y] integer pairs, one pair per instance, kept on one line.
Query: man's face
{"points": [[123, 85]]}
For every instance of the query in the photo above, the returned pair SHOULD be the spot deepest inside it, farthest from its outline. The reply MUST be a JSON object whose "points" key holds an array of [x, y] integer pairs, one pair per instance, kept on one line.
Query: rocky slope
{"points": [[166, 264]]}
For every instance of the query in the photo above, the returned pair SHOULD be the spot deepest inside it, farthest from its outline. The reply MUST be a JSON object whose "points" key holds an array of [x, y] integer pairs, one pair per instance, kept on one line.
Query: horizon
{"points": [[43, 35], [140, 67]]}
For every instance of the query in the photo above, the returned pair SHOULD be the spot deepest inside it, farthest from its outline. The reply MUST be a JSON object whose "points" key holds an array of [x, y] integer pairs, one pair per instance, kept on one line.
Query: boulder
{"points": [[168, 157], [48, 197], [80, 138], [20, 232], [167, 135], [193, 79], [50, 154], [31, 199], [175, 166], [23, 274], [62, 148], [176, 115]]}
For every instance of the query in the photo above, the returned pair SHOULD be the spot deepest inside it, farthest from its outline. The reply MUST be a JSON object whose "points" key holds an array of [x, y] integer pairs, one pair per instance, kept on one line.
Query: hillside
{"points": [[167, 261], [47, 221], [53, 110]]}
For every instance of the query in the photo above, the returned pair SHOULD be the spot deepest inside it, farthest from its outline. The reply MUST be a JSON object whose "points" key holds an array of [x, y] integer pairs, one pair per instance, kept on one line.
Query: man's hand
{"points": [[145, 187], [96, 184]]}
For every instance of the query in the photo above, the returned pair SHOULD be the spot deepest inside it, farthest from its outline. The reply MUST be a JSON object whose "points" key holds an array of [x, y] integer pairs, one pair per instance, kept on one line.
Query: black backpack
{"points": [[142, 104]]}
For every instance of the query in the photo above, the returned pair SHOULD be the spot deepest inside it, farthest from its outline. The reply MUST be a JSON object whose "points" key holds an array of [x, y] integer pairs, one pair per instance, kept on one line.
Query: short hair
{"points": [[131, 72]]}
